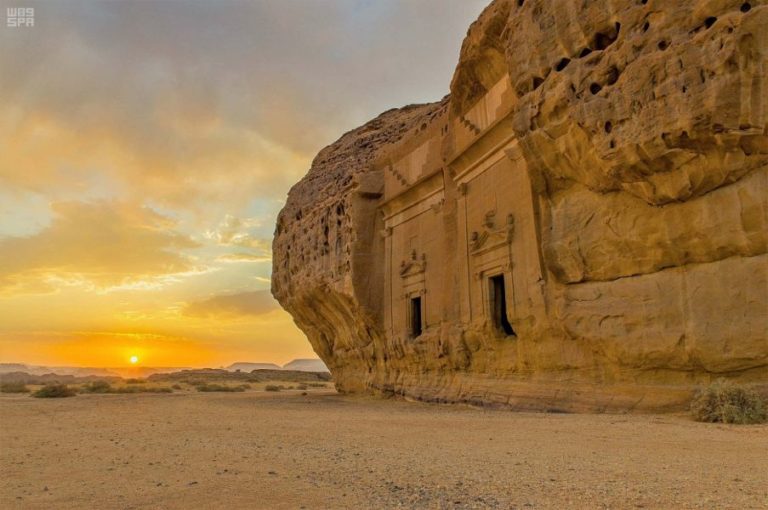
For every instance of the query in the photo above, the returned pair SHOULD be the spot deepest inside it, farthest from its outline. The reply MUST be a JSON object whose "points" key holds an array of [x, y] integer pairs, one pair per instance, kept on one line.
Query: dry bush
{"points": [[13, 387], [726, 402], [54, 391], [140, 389], [105, 387], [221, 387], [272, 387], [97, 387]]}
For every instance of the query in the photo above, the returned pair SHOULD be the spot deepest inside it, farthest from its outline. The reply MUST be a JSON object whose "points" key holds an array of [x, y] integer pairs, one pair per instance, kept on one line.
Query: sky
{"points": [[147, 146]]}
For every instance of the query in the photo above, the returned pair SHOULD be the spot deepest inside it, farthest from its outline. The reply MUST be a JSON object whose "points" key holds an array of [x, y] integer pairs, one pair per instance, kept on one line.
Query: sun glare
{"points": [[133, 360]]}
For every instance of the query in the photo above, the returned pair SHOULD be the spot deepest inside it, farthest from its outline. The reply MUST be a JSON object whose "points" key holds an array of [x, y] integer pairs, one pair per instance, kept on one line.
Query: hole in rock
{"points": [[745, 7], [608, 127], [585, 52], [646, 26], [710, 21], [613, 75], [537, 81], [602, 41], [595, 88], [562, 64], [663, 45]]}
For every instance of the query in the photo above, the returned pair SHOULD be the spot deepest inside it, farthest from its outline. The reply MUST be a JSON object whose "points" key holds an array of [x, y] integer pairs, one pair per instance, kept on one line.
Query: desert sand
{"points": [[323, 450]]}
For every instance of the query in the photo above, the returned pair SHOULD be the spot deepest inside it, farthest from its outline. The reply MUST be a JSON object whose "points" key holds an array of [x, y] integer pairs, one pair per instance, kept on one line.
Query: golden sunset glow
{"points": [[141, 171]]}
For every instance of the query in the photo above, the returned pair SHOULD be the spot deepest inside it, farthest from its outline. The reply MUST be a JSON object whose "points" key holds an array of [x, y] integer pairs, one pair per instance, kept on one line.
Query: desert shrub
{"points": [[176, 386], [139, 389], [726, 402], [220, 387], [97, 387], [13, 387], [272, 387], [302, 386], [316, 385], [135, 381], [54, 391]]}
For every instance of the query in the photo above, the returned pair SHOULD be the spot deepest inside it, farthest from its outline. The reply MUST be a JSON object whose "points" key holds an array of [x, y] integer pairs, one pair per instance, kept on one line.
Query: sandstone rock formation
{"points": [[581, 224]]}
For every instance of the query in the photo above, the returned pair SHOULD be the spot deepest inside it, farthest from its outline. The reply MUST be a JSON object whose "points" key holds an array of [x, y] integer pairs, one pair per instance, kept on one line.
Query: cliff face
{"points": [[607, 160]]}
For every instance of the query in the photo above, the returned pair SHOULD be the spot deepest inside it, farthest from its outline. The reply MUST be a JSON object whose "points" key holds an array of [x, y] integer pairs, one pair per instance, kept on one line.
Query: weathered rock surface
{"points": [[607, 162]]}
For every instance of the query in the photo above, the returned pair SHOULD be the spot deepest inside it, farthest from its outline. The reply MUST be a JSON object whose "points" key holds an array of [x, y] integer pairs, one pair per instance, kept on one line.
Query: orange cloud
{"points": [[233, 305], [100, 244]]}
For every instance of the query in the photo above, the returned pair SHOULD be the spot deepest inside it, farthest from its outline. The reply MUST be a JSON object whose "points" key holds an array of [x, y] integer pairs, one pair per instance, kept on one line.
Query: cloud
{"points": [[213, 104], [99, 244], [235, 231], [233, 305], [243, 257]]}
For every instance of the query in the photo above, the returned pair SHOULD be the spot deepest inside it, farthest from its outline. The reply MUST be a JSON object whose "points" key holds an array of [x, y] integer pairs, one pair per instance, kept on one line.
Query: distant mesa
{"points": [[6, 368], [248, 367], [306, 365], [299, 365]]}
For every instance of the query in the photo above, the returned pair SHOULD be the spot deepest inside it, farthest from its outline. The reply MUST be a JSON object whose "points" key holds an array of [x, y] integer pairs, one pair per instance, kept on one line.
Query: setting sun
{"points": [[133, 360]]}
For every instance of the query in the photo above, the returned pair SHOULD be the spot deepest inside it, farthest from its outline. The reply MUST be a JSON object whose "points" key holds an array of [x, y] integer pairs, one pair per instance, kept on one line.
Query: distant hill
{"points": [[12, 367], [306, 365], [248, 367], [27, 378], [217, 375], [43, 370]]}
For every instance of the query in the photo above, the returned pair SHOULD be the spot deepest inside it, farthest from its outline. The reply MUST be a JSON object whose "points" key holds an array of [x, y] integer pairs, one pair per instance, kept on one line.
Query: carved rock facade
{"points": [[582, 224]]}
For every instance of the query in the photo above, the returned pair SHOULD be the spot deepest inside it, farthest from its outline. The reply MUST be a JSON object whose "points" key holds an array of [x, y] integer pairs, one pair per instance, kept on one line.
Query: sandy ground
{"points": [[262, 450]]}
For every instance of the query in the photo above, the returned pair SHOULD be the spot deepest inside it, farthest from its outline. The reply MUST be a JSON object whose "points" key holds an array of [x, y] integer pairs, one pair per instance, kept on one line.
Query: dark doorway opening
{"points": [[415, 316], [499, 305]]}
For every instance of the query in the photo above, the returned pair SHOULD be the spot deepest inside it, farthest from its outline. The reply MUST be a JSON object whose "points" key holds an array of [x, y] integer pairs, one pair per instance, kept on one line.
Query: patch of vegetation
{"points": [[176, 386], [54, 391], [272, 387], [726, 402], [317, 385], [139, 389], [222, 387], [97, 387], [135, 381], [13, 387], [302, 387], [105, 387]]}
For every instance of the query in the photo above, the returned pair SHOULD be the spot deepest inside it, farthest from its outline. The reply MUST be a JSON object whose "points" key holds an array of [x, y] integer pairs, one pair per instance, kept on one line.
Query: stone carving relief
{"points": [[490, 235], [415, 264]]}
